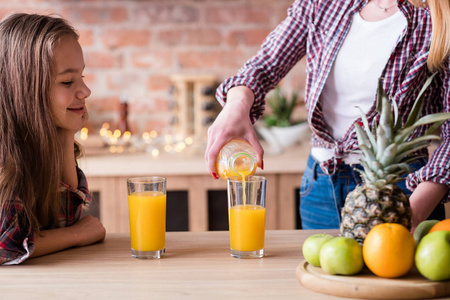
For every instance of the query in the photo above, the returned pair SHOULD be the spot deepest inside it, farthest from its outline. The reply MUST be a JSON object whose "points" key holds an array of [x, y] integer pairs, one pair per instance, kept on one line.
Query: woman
{"points": [[348, 45]]}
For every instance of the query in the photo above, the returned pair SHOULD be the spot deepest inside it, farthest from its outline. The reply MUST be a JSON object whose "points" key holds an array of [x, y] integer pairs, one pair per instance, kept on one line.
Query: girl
{"points": [[400, 41], [42, 106]]}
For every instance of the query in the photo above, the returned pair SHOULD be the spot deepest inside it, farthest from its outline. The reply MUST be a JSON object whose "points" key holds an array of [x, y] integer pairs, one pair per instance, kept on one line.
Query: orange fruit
{"points": [[388, 250], [441, 225]]}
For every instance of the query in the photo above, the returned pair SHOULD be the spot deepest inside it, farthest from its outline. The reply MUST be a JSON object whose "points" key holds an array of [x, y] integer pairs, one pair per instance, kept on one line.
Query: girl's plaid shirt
{"points": [[315, 30], [16, 241]]}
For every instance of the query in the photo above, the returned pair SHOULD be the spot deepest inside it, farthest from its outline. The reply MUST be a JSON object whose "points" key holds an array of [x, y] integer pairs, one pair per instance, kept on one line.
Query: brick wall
{"points": [[132, 47]]}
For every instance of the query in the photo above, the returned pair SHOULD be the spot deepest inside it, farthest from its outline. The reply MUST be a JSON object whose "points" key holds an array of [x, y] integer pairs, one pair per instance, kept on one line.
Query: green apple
{"points": [[341, 255], [311, 247], [432, 256], [422, 229]]}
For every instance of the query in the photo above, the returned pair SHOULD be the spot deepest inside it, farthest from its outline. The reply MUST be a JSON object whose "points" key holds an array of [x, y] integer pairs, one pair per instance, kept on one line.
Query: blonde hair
{"points": [[440, 38], [30, 152]]}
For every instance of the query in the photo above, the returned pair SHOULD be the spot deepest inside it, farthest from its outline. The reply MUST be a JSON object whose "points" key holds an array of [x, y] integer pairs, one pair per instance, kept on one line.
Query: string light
{"points": [[84, 133], [153, 134], [149, 141]]}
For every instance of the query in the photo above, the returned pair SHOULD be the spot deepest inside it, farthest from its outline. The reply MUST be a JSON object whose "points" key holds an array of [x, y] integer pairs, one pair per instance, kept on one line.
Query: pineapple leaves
{"points": [[368, 174], [367, 153], [380, 96], [428, 119], [397, 120], [399, 169], [418, 104], [386, 143], [415, 145], [419, 140], [363, 139], [367, 133], [386, 121], [388, 155]]}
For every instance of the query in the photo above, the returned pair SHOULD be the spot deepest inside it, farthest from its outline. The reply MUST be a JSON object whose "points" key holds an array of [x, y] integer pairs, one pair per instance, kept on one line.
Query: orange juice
{"points": [[147, 212], [247, 227]]}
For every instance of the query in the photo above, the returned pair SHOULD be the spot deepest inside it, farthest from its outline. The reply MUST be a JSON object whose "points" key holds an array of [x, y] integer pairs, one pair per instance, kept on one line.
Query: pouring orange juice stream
{"points": [[246, 221]]}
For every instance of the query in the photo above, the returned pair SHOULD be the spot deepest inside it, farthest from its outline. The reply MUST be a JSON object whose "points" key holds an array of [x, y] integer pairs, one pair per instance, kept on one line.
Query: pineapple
{"points": [[385, 147]]}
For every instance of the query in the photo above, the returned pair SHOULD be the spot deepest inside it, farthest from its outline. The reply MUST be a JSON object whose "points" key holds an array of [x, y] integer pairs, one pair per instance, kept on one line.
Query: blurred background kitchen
{"points": [[133, 49]]}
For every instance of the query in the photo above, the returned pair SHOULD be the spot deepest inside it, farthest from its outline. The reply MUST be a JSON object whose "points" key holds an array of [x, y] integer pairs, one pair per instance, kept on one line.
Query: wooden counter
{"points": [[197, 265], [107, 175]]}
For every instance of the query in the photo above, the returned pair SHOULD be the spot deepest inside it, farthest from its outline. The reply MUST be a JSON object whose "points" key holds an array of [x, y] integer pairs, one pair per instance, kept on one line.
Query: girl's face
{"points": [[68, 92]]}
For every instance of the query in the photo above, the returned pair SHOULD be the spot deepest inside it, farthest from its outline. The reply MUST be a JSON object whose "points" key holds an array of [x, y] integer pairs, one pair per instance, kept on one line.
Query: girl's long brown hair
{"points": [[30, 154]]}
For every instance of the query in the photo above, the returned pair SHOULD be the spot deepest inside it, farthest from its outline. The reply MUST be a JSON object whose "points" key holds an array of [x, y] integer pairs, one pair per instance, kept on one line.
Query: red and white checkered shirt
{"points": [[316, 29], [16, 241]]}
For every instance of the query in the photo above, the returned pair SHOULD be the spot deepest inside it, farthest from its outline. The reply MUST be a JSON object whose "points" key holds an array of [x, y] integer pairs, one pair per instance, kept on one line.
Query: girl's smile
{"points": [[78, 110], [69, 92]]}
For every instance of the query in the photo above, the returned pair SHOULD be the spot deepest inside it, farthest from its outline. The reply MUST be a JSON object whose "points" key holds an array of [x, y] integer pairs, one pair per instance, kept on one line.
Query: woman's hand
{"points": [[233, 122]]}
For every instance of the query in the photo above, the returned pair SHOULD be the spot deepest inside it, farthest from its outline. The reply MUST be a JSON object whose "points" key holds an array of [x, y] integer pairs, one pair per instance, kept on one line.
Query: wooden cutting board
{"points": [[367, 285]]}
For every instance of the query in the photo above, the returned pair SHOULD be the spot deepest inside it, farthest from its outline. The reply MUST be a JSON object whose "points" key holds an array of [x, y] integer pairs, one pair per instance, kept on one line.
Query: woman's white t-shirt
{"points": [[354, 75]]}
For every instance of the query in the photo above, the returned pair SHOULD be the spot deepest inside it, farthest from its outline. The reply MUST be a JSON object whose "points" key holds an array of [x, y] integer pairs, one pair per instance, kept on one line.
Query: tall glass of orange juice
{"points": [[247, 215], [147, 212]]}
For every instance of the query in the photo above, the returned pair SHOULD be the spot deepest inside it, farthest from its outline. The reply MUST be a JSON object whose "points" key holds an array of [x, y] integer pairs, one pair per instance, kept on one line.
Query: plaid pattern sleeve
{"points": [[16, 241], [438, 168], [278, 54]]}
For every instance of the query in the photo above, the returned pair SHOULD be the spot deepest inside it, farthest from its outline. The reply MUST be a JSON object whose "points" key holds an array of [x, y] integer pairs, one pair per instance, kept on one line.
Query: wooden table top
{"points": [[197, 265]]}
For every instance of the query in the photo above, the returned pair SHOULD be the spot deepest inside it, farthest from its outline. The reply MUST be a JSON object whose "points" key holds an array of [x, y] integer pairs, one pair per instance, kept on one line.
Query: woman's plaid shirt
{"points": [[316, 29]]}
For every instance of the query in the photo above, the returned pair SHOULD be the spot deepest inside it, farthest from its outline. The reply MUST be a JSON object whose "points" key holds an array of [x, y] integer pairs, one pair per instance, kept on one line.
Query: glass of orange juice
{"points": [[147, 212], [247, 215]]}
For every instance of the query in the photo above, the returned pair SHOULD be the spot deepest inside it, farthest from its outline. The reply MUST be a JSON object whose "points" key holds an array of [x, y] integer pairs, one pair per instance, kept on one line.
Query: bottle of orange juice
{"points": [[237, 158]]}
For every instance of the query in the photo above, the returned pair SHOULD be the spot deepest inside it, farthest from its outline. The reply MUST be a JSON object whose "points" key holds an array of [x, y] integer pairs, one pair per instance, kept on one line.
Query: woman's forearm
{"points": [[241, 94], [424, 199]]}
